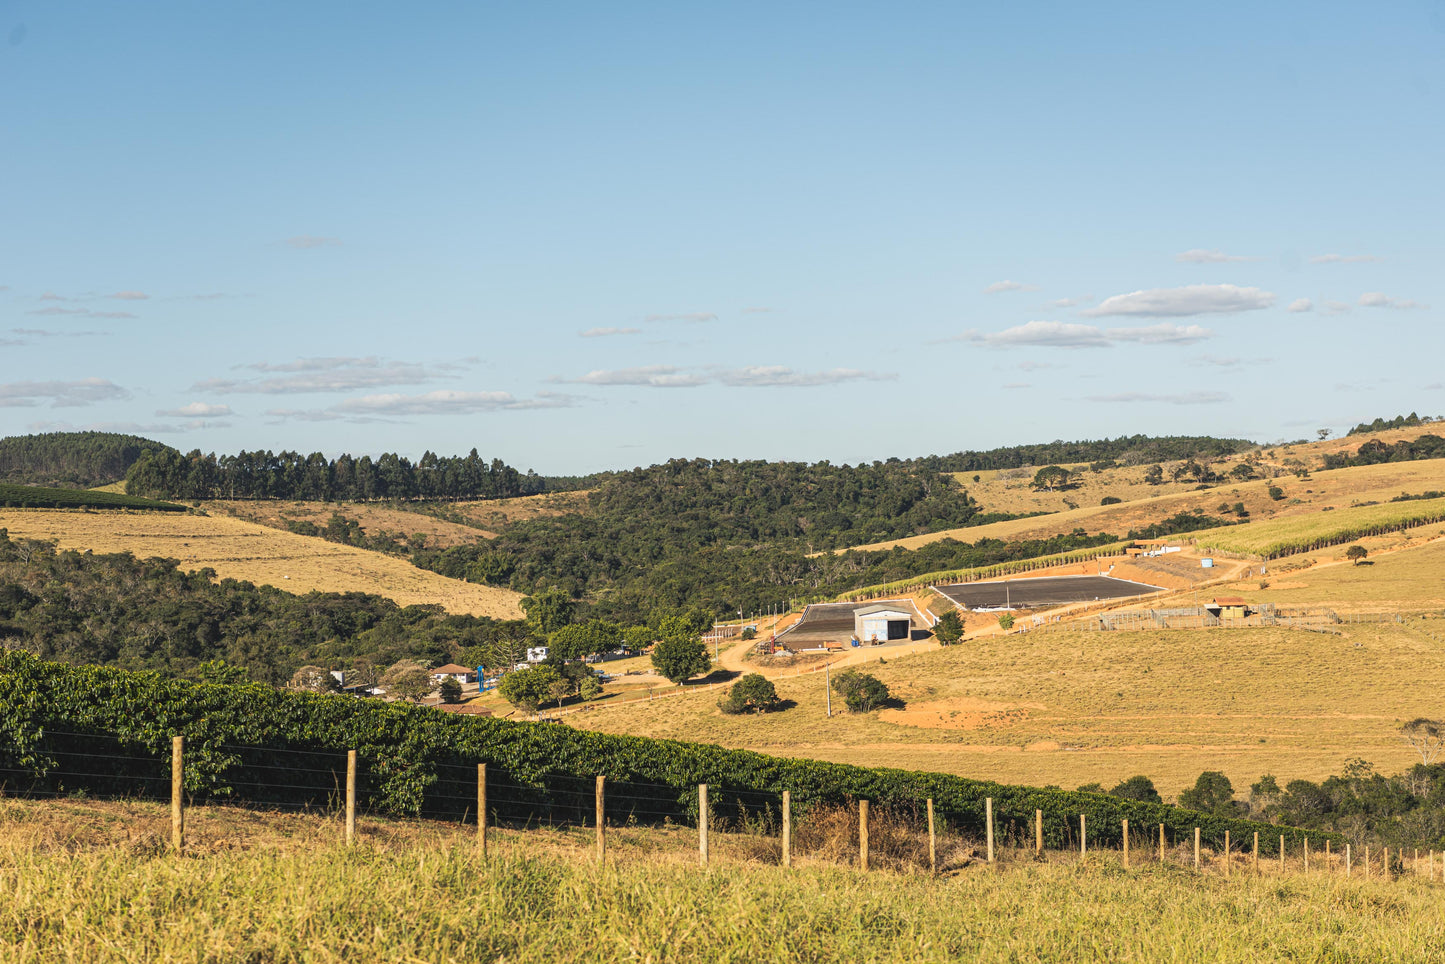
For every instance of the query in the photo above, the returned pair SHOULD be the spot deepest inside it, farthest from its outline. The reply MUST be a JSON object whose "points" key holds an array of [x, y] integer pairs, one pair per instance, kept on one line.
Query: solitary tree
{"points": [[949, 628], [406, 679], [1355, 553], [680, 657], [527, 689], [1154, 474], [1426, 737], [861, 692], [754, 693], [1052, 477]]}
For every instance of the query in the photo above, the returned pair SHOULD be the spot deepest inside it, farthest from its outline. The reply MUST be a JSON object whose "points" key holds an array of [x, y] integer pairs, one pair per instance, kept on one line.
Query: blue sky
{"points": [[588, 236]]}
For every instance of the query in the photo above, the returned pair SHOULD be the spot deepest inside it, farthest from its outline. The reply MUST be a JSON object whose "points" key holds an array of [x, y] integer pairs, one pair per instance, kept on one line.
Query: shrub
{"points": [[1110, 500], [753, 693], [861, 692], [1211, 793], [1276, 493], [949, 628], [750, 633], [1006, 620], [1139, 788], [450, 690]]}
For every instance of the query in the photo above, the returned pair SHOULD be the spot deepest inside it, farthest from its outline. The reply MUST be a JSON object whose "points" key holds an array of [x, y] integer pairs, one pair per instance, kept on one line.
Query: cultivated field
{"points": [[1336, 489], [243, 550], [83, 886], [1300, 533]]}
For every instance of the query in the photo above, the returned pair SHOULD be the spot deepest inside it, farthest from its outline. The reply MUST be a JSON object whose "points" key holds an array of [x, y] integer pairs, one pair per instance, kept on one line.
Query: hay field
{"points": [[1405, 572], [496, 514], [374, 518], [1337, 488], [244, 550], [273, 888], [1069, 708]]}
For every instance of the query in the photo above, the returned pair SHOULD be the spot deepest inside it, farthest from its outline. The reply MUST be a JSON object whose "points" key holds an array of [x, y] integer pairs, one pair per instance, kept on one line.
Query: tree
{"points": [[861, 692], [1052, 477], [1426, 737], [450, 690], [1211, 793], [313, 679], [1006, 620], [753, 693], [528, 689], [1355, 553], [406, 679], [678, 657], [949, 628], [548, 611], [1324, 433], [1154, 475], [584, 639], [1137, 788], [750, 633], [1276, 493], [589, 689]]}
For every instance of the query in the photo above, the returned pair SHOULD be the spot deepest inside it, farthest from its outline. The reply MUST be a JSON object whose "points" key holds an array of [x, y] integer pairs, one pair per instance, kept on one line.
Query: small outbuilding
{"points": [[882, 623], [1228, 607]]}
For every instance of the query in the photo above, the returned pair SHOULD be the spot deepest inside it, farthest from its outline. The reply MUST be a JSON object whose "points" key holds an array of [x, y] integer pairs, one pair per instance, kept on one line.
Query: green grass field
{"points": [[78, 890], [1303, 533], [39, 497]]}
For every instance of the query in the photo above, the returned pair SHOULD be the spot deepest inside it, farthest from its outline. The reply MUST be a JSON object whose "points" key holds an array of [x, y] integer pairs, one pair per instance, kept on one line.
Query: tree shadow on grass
{"points": [[716, 676]]}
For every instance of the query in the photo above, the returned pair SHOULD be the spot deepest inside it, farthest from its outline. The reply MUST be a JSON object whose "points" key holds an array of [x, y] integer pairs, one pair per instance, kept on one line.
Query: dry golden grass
{"points": [[1073, 708], [374, 518], [1404, 573], [1337, 488], [243, 550], [496, 514]]}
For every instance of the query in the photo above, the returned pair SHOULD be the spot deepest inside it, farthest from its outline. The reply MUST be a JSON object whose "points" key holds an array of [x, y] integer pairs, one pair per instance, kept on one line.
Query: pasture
{"points": [[237, 549]]}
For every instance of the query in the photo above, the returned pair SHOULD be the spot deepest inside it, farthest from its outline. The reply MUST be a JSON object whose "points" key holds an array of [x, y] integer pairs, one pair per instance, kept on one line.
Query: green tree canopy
{"points": [[754, 693], [679, 657], [949, 628]]}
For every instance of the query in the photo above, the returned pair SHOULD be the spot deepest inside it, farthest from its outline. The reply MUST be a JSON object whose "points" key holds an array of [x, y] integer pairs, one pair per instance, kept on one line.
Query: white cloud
{"points": [[1343, 259], [446, 402], [130, 296], [308, 241], [1201, 256], [56, 310], [1070, 302], [1378, 299], [650, 376], [85, 391], [1188, 300], [691, 316], [1185, 398], [52, 296], [998, 287], [605, 332], [1013, 385], [1337, 308], [779, 376], [306, 375], [197, 410], [1060, 334], [1300, 305]]}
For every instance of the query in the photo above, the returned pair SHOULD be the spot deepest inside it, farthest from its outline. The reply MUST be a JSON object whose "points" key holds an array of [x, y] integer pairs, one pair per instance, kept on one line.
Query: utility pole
{"points": [[828, 687]]}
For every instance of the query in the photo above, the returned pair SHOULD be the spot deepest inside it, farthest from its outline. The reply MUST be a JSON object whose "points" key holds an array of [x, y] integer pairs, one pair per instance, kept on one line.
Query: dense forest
{"points": [[167, 474], [83, 459], [1128, 449], [1376, 452], [149, 615]]}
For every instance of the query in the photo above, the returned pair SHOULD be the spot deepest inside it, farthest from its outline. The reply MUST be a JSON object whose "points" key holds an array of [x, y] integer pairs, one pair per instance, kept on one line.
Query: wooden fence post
{"points": [[988, 818], [1161, 843], [863, 834], [703, 817], [178, 782], [1385, 866], [932, 841], [1126, 845], [350, 797], [1039, 833], [1281, 853], [601, 819], [1083, 836], [1254, 859], [1349, 861], [1196, 848], [787, 828], [482, 807], [1227, 858], [1327, 855]]}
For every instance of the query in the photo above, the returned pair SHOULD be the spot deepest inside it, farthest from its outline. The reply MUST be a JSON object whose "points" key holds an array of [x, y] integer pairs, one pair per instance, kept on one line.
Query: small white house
{"points": [[537, 654], [882, 623], [461, 674]]}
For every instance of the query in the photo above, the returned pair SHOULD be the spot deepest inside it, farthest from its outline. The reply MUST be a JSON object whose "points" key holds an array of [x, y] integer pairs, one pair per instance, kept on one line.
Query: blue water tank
{"points": [[1206, 563]]}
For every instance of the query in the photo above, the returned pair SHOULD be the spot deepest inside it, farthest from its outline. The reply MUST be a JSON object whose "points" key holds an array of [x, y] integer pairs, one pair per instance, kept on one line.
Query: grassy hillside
{"points": [[1303, 533], [41, 497], [86, 883], [82, 459]]}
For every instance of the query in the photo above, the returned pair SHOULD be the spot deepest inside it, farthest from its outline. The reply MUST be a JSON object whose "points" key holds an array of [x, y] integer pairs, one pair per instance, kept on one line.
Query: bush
{"points": [[753, 693], [1276, 493], [450, 690], [1211, 793], [750, 633], [1139, 788], [949, 628], [861, 692], [1006, 620], [1110, 500]]}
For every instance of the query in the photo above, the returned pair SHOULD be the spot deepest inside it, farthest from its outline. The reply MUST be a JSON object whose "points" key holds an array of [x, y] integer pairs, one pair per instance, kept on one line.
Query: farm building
{"points": [[461, 674], [881, 623], [1228, 607]]}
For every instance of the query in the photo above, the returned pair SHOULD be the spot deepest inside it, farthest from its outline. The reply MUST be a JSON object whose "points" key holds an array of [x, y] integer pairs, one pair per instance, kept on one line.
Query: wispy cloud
{"points": [[756, 310], [55, 311], [84, 391], [1300, 305], [779, 376], [389, 406], [1337, 308], [694, 316], [1070, 302], [606, 332], [1378, 299], [1185, 301], [197, 410], [999, 287], [52, 296], [304, 242], [651, 376], [1061, 334], [1184, 398], [129, 296], [1202, 256], [322, 375], [1344, 259]]}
